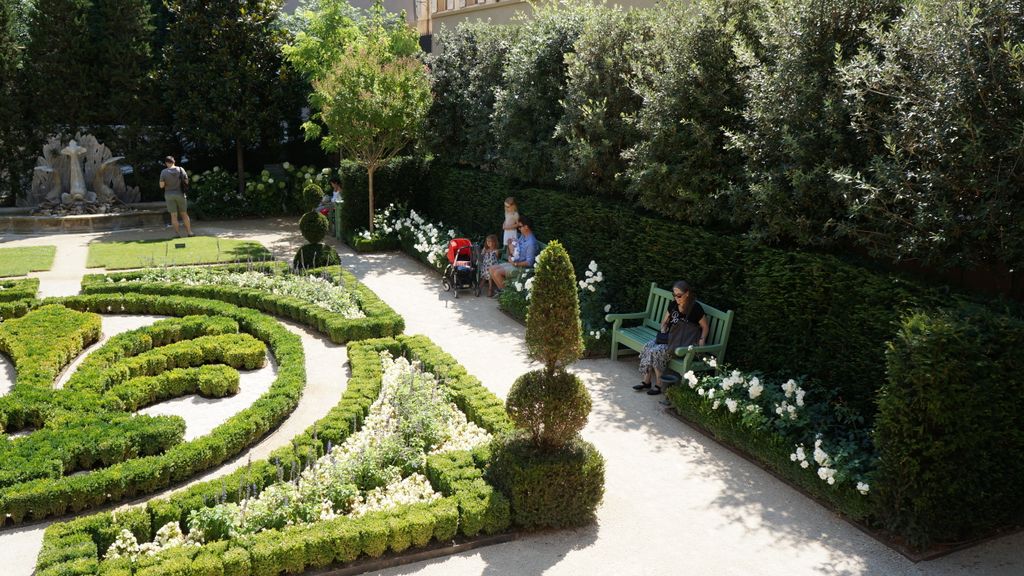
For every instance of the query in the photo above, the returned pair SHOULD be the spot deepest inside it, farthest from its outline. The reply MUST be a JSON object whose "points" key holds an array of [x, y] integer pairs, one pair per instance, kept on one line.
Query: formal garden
{"points": [[839, 181]]}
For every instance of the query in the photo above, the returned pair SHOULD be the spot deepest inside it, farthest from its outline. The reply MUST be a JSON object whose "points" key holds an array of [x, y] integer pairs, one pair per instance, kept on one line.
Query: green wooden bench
{"points": [[683, 359]]}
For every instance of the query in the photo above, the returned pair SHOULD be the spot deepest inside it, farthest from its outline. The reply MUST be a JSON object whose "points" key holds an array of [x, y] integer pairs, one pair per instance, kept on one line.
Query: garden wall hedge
{"points": [[796, 312], [381, 320], [45, 497], [469, 507], [950, 426], [398, 181]]}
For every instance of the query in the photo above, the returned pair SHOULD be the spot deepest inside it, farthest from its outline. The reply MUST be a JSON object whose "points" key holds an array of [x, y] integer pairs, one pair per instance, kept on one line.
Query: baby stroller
{"points": [[461, 272]]}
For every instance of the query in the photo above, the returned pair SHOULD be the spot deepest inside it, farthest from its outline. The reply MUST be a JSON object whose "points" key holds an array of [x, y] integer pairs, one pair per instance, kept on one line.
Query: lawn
{"points": [[177, 251], [21, 261]]}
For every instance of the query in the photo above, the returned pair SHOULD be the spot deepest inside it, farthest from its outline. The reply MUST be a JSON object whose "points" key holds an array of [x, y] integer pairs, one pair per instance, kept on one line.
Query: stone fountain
{"points": [[79, 177]]}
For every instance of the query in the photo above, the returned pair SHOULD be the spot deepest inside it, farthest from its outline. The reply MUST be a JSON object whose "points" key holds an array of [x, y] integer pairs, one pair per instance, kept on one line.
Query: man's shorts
{"points": [[176, 203], [507, 267]]}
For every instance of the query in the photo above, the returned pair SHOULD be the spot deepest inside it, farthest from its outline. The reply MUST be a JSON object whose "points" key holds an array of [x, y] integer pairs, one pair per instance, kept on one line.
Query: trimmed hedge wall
{"points": [[42, 498], [381, 320], [469, 507], [44, 340], [796, 313], [21, 289], [398, 181], [950, 426]]}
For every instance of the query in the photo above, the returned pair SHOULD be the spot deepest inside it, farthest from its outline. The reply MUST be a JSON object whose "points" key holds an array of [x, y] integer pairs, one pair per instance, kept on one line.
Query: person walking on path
{"points": [[173, 181]]}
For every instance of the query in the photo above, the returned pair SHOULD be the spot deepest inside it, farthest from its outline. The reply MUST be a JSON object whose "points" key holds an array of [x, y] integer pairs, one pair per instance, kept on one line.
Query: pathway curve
{"points": [[676, 502]]}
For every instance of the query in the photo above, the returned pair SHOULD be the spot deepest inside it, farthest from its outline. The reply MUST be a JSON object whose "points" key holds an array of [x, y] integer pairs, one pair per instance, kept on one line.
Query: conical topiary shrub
{"points": [[552, 477]]}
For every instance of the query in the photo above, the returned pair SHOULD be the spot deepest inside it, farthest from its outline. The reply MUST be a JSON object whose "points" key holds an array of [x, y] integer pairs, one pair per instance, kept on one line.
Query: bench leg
{"points": [[615, 347]]}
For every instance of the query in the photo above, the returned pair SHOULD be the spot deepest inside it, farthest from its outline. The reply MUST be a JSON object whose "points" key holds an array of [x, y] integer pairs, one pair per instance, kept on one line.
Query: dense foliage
{"points": [[313, 226], [797, 122], [13, 36], [937, 100], [950, 426], [225, 76]]}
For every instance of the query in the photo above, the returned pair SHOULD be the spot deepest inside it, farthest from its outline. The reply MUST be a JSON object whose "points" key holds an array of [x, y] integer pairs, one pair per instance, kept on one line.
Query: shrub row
{"points": [[212, 381], [240, 351], [32, 406], [469, 507], [43, 341], [43, 498], [75, 443], [17, 308], [950, 427], [20, 289], [380, 319]]}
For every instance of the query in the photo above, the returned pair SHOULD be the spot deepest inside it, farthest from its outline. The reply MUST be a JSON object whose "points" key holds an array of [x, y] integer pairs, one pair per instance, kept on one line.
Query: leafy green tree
{"points": [[797, 125], [372, 102], [600, 99], [466, 72], [13, 144], [225, 78], [692, 96], [61, 78], [528, 104], [938, 101]]}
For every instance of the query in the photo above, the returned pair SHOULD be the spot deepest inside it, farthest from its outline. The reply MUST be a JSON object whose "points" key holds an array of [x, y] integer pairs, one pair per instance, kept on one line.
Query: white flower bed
{"points": [[313, 289]]}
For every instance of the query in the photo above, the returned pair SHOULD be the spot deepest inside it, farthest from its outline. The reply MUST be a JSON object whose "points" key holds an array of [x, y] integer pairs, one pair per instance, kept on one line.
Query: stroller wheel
{"points": [[447, 286]]}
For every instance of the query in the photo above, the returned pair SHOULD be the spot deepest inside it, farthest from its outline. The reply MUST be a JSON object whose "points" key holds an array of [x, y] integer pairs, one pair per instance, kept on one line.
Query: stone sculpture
{"points": [[80, 177]]}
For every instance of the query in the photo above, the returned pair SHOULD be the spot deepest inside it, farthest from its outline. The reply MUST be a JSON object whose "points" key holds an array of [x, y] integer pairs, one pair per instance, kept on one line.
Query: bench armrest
{"points": [[707, 349], [625, 316]]}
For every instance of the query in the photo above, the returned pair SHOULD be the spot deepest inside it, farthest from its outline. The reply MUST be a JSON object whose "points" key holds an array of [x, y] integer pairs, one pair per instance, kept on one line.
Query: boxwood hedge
{"points": [[381, 320], [44, 497], [469, 506], [20, 289]]}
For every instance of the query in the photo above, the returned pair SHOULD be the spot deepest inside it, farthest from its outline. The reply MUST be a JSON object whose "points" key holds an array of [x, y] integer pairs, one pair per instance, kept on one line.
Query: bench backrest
{"points": [[719, 322]]}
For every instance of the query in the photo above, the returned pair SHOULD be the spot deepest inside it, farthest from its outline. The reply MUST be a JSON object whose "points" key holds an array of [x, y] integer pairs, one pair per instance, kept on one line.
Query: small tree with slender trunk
{"points": [[373, 104]]}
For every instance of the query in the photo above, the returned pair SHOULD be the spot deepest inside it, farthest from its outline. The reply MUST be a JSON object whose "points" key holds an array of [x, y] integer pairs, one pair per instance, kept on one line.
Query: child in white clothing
{"points": [[510, 226]]}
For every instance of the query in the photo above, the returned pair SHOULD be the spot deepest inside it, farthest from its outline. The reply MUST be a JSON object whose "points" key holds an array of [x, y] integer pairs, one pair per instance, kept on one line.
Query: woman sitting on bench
{"points": [[684, 324]]}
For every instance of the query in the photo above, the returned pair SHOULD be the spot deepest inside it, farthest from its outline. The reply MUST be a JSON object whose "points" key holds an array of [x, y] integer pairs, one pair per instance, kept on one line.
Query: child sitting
{"points": [[489, 257]]}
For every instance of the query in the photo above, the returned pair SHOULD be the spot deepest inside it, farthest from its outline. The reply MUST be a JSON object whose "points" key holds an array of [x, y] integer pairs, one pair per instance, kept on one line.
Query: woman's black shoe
{"points": [[654, 391], [641, 386]]}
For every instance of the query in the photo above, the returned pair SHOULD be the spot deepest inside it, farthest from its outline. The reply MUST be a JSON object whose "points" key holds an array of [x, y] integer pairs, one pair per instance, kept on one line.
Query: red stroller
{"points": [[462, 272]]}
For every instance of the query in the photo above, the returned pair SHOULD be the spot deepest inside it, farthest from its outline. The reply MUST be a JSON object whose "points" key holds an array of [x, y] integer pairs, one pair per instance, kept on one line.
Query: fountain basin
{"points": [[143, 215]]}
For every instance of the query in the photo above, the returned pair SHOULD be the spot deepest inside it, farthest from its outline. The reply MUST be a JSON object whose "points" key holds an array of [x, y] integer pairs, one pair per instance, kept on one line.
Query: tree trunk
{"points": [[369, 173], [240, 160]]}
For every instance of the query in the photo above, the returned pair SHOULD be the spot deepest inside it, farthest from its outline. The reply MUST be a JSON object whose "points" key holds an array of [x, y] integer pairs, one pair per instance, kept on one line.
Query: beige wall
{"points": [[500, 12]]}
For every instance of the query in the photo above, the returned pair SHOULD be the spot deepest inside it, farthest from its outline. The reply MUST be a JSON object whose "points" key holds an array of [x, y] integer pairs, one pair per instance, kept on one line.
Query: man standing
{"points": [[526, 253], [173, 180]]}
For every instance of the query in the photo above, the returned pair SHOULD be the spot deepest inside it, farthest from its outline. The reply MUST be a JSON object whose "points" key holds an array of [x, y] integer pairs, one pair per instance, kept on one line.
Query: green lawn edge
{"points": [[20, 260], [197, 250]]}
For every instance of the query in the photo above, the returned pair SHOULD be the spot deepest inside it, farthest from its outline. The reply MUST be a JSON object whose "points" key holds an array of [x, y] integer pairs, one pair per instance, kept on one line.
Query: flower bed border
{"points": [[469, 505], [380, 321], [39, 499]]}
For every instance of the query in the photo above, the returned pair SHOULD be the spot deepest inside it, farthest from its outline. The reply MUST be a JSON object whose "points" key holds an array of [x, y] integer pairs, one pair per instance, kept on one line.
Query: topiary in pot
{"points": [[313, 226]]}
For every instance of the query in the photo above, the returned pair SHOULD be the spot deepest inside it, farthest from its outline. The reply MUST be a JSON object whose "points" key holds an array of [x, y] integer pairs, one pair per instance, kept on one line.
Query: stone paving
{"points": [[676, 502]]}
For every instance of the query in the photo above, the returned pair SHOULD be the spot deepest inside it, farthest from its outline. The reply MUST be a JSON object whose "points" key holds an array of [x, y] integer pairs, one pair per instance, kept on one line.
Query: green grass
{"points": [[21, 261], [197, 250]]}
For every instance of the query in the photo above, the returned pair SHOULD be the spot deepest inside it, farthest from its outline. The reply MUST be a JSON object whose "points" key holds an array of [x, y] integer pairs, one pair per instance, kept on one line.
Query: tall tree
{"points": [[224, 76], [372, 102], [12, 141], [60, 72]]}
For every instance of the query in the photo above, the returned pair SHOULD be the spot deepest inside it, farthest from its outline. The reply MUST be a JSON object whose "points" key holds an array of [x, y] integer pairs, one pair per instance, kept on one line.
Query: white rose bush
{"points": [[785, 425]]}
